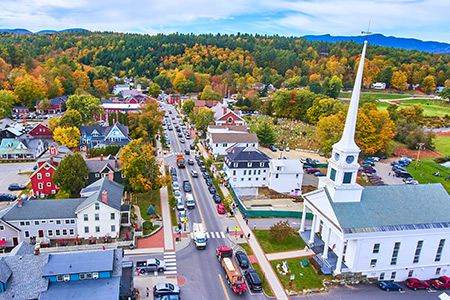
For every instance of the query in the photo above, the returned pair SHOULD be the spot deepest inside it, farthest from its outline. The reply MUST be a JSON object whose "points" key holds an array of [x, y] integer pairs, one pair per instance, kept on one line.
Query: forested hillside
{"points": [[50, 65]]}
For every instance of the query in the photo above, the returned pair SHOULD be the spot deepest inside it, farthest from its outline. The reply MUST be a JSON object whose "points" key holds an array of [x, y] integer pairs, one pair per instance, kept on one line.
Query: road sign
{"points": [[236, 228], [185, 220]]}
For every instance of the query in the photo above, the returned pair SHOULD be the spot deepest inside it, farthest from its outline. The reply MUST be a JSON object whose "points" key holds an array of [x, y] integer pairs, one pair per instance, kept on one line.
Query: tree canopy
{"points": [[86, 105], [70, 173]]}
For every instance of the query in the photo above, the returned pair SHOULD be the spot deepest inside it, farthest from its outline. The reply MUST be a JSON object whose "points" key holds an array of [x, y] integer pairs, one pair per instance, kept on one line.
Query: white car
{"points": [[182, 214], [175, 186], [287, 149], [182, 140], [180, 205], [177, 195]]}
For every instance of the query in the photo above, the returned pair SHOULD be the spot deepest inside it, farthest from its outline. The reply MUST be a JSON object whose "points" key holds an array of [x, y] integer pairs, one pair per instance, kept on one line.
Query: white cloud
{"points": [[425, 19]]}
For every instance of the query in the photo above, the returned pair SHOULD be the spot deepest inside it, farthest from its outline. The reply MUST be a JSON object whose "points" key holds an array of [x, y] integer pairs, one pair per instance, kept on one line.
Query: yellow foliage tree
{"points": [[69, 136], [399, 80]]}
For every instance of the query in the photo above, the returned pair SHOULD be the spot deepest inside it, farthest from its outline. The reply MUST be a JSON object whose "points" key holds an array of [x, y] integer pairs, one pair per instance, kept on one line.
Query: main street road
{"points": [[203, 272]]}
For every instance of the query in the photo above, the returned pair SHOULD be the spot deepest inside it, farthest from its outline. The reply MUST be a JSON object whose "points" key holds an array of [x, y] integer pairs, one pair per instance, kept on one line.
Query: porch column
{"points": [[311, 236], [340, 256], [327, 243], [302, 226]]}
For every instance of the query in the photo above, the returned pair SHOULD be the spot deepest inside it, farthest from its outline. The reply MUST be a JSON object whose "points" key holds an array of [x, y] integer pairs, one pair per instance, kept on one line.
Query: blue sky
{"points": [[426, 20]]}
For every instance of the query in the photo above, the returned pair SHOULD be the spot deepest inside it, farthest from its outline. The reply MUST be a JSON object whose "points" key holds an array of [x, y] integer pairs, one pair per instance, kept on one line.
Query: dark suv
{"points": [[253, 281]]}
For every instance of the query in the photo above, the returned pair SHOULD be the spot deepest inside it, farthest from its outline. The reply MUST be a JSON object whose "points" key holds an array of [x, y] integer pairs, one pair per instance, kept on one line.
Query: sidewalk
{"points": [[289, 254], [272, 278]]}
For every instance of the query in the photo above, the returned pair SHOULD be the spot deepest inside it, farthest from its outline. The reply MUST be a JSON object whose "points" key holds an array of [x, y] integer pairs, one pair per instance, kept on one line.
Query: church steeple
{"points": [[343, 165]]}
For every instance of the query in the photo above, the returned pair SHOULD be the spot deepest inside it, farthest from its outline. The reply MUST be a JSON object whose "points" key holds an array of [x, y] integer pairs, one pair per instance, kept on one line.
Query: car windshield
{"points": [[201, 240], [157, 262]]}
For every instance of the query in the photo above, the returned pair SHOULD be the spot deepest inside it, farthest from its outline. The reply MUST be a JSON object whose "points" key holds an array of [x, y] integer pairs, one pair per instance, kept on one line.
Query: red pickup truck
{"points": [[440, 283]]}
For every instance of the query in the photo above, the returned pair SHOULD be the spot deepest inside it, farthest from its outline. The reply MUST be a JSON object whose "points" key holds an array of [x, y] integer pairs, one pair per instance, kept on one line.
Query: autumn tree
{"points": [[399, 80], [445, 94], [265, 134], [188, 106], [428, 84], [29, 89], [147, 123], [323, 107], [202, 118], [101, 86], [82, 80], [334, 87], [154, 90], [7, 100], [44, 104], [87, 106], [71, 118], [329, 131], [70, 173], [209, 94], [69, 136], [53, 123], [139, 165]]}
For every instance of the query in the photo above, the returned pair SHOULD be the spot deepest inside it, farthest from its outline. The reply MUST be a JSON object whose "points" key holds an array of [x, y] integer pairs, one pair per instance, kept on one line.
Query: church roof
{"points": [[394, 208]]}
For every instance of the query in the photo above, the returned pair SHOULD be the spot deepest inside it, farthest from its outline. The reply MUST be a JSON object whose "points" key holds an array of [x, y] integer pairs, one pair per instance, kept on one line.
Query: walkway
{"points": [[289, 254], [271, 276]]}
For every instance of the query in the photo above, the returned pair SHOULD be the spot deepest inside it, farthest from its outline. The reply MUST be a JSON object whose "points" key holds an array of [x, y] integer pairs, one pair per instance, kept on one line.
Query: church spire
{"points": [[347, 141]]}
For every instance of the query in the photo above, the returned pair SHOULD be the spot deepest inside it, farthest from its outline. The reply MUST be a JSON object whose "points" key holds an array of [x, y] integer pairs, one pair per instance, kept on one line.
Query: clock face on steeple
{"points": [[336, 156], [350, 159]]}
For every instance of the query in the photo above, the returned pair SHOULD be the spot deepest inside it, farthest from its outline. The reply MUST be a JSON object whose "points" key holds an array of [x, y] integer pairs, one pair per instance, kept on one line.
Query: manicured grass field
{"points": [[246, 248], [442, 145], [144, 200], [437, 108], [269, 245], [425, 170], [375, 95], [309, 280], [265, 283]]}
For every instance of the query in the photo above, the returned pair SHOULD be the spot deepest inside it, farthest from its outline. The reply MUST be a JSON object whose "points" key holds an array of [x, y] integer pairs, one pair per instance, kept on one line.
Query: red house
{"points": [[41, 179], [173, 98], [40, 130], [230, 118]]}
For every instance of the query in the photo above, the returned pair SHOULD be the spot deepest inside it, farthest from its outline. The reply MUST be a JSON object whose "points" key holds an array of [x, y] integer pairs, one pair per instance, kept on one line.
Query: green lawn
{"points": [[375, 95], [442, 145], [265, 283], [309, 280], [144, 200], [293, 242], [424, 172], [437, 108], [246, 248]]}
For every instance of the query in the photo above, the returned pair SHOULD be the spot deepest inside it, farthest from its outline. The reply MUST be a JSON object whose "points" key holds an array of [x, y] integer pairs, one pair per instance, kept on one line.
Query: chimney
{"points": [[111, 176], [20, 202], [105, 197], [101, 156], [37, 249], [116, 164], [51, 160]]}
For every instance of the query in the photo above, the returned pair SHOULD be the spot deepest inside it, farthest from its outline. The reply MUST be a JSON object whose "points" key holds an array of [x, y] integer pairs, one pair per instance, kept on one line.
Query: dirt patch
{"points": [[444, 133], [403, 151]]}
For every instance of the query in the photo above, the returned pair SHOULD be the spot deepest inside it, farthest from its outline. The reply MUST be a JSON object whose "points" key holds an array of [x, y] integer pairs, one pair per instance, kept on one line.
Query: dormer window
{"points": [[230, 120]]}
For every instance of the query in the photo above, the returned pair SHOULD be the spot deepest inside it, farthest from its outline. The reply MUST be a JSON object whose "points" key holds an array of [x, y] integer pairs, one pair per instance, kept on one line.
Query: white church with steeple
{"points": [[384, 232]]}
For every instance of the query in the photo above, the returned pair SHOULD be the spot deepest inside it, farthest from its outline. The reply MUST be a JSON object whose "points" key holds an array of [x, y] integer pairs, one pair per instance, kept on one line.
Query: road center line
{"points": [[223, 286]]}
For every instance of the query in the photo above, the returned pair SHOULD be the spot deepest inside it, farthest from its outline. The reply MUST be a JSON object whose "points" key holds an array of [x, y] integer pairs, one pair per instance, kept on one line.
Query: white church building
{"points": [[384, 232]]}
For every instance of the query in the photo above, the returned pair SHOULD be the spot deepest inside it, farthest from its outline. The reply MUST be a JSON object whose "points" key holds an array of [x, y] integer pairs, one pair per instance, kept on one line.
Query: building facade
{"points": [[286, 176], [102, 136]]}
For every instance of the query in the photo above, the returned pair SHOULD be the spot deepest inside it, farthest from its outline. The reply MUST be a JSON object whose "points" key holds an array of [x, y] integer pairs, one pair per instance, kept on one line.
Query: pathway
{"points": [[289, 254]]}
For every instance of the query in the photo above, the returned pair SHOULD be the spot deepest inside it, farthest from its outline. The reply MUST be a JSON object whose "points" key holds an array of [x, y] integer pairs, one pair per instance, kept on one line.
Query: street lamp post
{"points": [[420, 147]]}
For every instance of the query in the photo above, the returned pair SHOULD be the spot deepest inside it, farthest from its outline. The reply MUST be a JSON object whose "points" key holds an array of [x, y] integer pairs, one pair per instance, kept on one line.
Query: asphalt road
{"points": [[205, 278]]}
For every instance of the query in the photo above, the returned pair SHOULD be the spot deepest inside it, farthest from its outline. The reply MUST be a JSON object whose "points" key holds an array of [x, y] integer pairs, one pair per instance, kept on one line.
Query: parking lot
{"points": [[384, 169], [10, 174]]}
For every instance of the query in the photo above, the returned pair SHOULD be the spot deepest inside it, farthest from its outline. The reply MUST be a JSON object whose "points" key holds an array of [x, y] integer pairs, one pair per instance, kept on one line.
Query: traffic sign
{"points": [[185, 220], [236, 228]]}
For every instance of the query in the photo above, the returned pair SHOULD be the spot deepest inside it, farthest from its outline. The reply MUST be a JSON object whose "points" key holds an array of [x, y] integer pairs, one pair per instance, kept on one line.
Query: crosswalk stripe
{"points": [[170, 256], [207, 235], [171, 268], [170, 259], [212, 235], [170, 272], [222, 234], [171, 264], [170, 253]]}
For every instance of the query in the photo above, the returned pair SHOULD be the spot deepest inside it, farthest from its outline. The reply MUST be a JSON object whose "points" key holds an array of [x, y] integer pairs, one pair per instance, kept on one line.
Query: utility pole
{"points": [[420, 147]]}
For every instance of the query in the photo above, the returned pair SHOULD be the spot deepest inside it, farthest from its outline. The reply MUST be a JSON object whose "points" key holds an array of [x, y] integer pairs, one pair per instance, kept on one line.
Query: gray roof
{"points": [[99, 289], [94, 193], [247, 154], [103, 130], [26, 281], [5, 271], [233, 137], [395, 207], [22, 249], [43, 209], [79, 262], [97, 165]]}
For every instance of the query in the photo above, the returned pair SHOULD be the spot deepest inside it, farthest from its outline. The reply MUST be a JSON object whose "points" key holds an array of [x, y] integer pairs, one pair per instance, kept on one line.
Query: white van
{"points": [[190, 203]]}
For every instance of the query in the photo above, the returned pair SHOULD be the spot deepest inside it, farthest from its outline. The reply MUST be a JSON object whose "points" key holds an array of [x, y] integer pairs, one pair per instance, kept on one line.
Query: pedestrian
{"points": [[246, 222], [228, 230], [389, 173], [254, 227], [248, 235], [148, 292]]}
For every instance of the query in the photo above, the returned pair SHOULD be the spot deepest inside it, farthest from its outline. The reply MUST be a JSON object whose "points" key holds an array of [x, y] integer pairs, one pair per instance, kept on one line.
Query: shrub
{"points": [[147, 225], [280, 231]]}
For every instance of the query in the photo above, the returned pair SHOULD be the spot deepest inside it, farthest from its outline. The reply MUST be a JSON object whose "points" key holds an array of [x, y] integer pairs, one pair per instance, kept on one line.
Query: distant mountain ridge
{"points": [[26, 31], [386, 41]]}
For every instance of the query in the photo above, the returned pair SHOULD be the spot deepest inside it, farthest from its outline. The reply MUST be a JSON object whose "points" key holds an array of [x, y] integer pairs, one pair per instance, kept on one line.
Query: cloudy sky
{"points": [[422, 19]]}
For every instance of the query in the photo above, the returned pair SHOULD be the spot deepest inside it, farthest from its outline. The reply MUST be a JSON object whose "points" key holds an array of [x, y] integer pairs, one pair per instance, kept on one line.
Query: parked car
{"points": [[416, 284], [369, 171], [253, 280], [273, 148], [389, 286], [320, 174], [182, 214], [212, 190], [165, 289], [190, 161], [208, 182], [16, 187], [194, 173], [216, 198], [205, 175], [287, 149], [182, 140], [312, 170], [173, 171], [192, 147], [242, 259], [180, 205], [442, 282], [220, 208], [7, 197], [281, 148], [168, 297], [177, 195], [175, 186], [187, 152], [203, 168]]}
